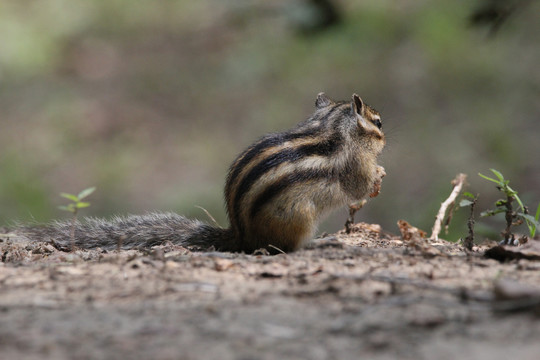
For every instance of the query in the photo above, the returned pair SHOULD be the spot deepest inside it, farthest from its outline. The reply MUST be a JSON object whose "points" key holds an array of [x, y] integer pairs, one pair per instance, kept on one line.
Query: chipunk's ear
{"points": [[322, 101], [357, 104], [357, 107]]}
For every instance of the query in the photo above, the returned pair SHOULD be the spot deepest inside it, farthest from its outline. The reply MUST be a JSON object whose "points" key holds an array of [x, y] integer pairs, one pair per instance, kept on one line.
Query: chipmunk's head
{"points": [[357, 117]]}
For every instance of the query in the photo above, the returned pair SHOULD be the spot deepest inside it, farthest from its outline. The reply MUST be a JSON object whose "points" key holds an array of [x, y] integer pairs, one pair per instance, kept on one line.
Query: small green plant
{"points": [[505, 206], [74, 207]]}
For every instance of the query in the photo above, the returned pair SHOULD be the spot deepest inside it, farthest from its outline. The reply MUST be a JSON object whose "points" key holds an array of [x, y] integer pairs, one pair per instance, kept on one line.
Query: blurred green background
{"points": [[150, 101]]}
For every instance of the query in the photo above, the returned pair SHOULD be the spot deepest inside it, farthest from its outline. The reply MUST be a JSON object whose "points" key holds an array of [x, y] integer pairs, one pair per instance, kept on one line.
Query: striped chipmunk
{"points": [[277, 190]]}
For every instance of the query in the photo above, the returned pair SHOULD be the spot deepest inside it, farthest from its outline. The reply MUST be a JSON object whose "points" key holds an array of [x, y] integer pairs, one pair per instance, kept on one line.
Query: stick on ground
{"points": [[458, 185], [469, 240]]}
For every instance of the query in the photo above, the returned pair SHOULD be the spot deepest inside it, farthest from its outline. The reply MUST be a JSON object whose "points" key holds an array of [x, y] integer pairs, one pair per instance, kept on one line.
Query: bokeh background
{"points": [[150, 101]]}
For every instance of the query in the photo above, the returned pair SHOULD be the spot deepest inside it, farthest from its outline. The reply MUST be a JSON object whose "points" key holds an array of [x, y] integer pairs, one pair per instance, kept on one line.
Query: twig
{"points": [[209, 215], [469, 240], [458, 185], [276, 248], [509, 217], [353, 208], [449, 217]]}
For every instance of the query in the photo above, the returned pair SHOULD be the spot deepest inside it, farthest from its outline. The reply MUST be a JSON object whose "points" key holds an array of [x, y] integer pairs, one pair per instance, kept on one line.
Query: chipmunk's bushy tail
{"points": [[132, 231]]}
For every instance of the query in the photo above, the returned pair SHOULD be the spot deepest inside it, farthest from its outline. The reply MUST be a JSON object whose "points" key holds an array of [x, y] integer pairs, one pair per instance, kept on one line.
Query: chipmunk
{"points": [[277, 190]]}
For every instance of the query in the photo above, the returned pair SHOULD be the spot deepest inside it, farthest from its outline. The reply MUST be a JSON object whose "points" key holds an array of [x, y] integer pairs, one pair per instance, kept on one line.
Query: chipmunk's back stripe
{"points": [[238, 185], [274, 140], [283, 184], [264, 144], [324, 148]]}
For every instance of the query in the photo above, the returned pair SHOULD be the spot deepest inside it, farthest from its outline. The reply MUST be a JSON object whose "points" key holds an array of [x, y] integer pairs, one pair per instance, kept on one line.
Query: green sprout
{"points": [[505, 206], [74, 207]]}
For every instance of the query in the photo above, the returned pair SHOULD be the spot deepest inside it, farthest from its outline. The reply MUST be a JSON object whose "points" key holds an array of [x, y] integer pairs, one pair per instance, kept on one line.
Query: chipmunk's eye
{"points": [[377, 123]]}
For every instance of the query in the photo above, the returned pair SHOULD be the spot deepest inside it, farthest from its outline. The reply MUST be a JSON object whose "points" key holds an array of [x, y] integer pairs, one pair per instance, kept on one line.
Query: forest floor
{"points": [[365, 295]]}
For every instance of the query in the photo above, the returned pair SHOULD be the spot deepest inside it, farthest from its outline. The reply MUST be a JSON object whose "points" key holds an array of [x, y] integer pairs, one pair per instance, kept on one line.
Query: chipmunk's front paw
{"points": [[378, 182]]}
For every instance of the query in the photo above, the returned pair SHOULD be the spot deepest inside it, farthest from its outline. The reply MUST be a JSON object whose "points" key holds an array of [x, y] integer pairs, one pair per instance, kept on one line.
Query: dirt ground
{"points": [[367, 295]]}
